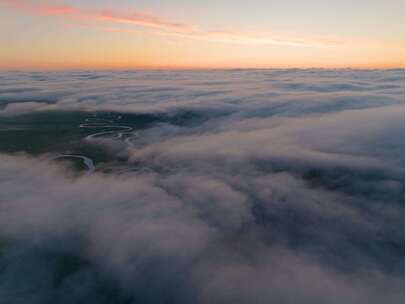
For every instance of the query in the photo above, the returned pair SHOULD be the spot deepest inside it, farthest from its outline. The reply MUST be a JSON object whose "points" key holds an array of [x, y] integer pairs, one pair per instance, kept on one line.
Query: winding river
{"points": [[113, 131], [89, 163]]}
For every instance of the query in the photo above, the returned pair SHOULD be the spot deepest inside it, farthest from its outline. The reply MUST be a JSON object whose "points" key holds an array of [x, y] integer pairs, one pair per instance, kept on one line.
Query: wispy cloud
{"points": [[134, 17], [159, 25]]}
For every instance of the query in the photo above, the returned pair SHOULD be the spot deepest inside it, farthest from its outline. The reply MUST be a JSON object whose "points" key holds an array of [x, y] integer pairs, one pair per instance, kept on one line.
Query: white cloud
{"points": [[251, 186]]}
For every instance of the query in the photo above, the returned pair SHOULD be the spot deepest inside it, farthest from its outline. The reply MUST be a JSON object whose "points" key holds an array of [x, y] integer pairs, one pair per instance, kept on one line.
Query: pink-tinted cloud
{"points": [[158, 25], [45, 8]]}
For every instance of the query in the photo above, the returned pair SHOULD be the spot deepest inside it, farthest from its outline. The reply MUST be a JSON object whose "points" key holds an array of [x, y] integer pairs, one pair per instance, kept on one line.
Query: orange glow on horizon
{"points": [[90, 38], [49, 66]]}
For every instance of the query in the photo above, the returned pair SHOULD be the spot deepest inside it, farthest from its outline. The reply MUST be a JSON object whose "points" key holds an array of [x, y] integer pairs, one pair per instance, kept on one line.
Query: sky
{"points": [[106, 34]]}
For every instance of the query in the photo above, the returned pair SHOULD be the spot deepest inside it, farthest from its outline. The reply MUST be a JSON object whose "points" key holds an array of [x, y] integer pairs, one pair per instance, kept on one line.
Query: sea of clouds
{"points": [[278, 186]]}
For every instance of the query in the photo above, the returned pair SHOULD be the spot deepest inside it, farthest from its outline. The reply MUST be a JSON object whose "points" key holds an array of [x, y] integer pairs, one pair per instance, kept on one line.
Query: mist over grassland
{"points": [[243, 186]]}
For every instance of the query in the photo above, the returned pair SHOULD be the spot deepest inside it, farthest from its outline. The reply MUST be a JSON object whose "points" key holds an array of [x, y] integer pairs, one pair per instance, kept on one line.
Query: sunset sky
{"points": [[107, 34]]}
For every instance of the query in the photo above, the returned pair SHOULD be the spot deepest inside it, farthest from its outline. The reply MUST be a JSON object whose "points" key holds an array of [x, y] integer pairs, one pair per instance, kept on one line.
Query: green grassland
{"points": [[58, 132]]}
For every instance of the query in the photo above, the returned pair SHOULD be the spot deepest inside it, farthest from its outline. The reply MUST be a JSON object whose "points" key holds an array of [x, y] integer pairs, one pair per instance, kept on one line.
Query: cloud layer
{"points": [[282, 186]]}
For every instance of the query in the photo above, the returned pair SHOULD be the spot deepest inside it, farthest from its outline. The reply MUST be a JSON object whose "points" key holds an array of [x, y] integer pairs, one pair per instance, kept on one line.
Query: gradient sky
{"points": [[201, 34]]}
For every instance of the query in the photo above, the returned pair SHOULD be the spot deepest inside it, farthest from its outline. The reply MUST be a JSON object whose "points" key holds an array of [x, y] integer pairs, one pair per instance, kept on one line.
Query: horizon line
{"points": [[113, 69]]}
